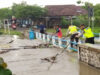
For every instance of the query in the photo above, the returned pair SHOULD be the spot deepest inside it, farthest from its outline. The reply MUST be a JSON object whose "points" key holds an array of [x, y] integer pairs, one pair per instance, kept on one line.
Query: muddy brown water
{"points": [[28, 61], [87, 70]]}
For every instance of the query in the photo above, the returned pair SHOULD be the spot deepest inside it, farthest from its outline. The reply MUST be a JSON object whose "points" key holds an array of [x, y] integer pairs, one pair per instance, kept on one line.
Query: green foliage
{"points": [[54, 31], [76, 22], [97, 14], [87, 4], [5, 13], [81, 20], [27, 11], [79, 2], [96, 11], [5, 71], [12, 32], [63, 21], [22, 11]]}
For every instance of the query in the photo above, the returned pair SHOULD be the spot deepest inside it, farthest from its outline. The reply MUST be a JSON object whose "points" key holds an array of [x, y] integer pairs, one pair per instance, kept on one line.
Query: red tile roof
{"points": [[65, 10]]}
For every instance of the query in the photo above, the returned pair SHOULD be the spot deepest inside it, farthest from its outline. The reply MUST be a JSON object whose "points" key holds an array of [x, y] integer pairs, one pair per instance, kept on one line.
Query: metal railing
{"points": [[60, 42], [97, 34]]}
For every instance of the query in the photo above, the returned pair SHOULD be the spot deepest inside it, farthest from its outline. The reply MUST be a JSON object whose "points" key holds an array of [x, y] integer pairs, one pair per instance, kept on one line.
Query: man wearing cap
{"points": [[88, 34]]}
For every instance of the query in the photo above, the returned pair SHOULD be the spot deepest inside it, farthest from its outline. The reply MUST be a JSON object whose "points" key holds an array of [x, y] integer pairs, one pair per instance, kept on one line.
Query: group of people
{"points": [[73, 32]]}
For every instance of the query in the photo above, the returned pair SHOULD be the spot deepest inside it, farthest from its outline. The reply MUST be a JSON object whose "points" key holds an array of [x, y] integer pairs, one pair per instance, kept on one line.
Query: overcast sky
{"points": [[8, 3]]}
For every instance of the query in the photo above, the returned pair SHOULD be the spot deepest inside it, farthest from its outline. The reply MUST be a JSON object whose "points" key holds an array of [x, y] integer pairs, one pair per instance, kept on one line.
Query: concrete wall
{"points": [[90, 55]]}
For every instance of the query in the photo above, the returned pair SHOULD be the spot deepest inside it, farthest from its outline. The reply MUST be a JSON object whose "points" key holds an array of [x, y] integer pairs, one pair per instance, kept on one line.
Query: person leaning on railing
{"points": [[73, 33], [88, 34], [58, 31]]}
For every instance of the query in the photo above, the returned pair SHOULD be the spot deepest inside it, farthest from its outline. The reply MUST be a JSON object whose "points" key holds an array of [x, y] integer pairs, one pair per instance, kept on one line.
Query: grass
{"points": [[12, 32], [54, 31], [95, 30]]}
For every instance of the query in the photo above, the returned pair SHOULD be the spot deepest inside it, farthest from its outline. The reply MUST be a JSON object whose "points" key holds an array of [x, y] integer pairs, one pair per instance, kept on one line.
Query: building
{"points": [[55, 12]]}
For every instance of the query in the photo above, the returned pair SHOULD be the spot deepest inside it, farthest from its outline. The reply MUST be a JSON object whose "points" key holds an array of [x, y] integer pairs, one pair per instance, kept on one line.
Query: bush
{"points": [[12, 32], [64, 22], [78, 22]]}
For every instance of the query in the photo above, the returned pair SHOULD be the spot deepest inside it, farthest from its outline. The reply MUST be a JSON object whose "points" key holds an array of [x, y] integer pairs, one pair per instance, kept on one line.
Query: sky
{"points": [[8, 3]]}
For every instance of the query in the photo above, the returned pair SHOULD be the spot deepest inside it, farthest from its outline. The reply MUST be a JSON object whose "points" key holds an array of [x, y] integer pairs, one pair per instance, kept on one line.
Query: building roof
{"points": [[65, 10]]}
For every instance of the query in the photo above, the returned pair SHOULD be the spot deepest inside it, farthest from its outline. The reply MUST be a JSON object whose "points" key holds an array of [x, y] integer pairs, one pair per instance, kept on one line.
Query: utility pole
{"points": [[71, 20], [6, 26], [89, 18], [47, 19], [93, 20]]}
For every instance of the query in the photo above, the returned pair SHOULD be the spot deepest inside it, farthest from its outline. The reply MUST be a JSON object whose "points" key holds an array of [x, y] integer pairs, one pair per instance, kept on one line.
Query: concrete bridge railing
{"points": [[90, 54]]}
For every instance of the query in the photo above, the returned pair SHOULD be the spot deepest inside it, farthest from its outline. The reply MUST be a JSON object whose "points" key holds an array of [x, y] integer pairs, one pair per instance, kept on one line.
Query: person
{"points": [[58, 31], [88, 34], [42, 28], [74, 34], [31, 34]]}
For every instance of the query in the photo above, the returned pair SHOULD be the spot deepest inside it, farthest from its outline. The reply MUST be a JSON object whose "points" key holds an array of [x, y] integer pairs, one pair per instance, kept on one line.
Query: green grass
{"points": [[54, 31], [95, 30], [12, 32]]}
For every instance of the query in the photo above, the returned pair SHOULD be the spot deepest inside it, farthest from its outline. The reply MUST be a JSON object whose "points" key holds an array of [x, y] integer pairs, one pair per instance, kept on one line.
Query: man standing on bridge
{"points": [[73, 32], [42, 28], [87, 32]]}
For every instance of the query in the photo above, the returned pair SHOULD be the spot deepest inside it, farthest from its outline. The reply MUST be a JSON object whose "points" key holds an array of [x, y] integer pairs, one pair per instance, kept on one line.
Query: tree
{"points": [[79, 2], [24, 10], [5, 13], [87, 5], [63, 21], [97, 14]]}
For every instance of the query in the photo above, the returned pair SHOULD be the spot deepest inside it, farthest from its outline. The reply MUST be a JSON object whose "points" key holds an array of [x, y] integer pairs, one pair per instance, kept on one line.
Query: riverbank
{"points": [[12, 32]]}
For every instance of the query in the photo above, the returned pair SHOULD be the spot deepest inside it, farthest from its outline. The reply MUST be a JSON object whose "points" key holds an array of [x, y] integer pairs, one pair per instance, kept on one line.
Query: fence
{"points": [[97, 34], [60, 42]]}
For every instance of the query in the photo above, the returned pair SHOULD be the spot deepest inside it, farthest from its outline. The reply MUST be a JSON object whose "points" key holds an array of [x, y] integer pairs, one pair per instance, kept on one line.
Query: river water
{"points": [[28, 61]]}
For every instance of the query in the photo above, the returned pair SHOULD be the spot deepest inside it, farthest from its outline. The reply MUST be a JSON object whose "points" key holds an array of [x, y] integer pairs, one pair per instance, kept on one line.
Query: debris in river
{"points": [[55, 57], [26, 47], [10, 42], [49, 59], [11, 49], [38, 46], [46, 59], [2, 52], [30, 47]]}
